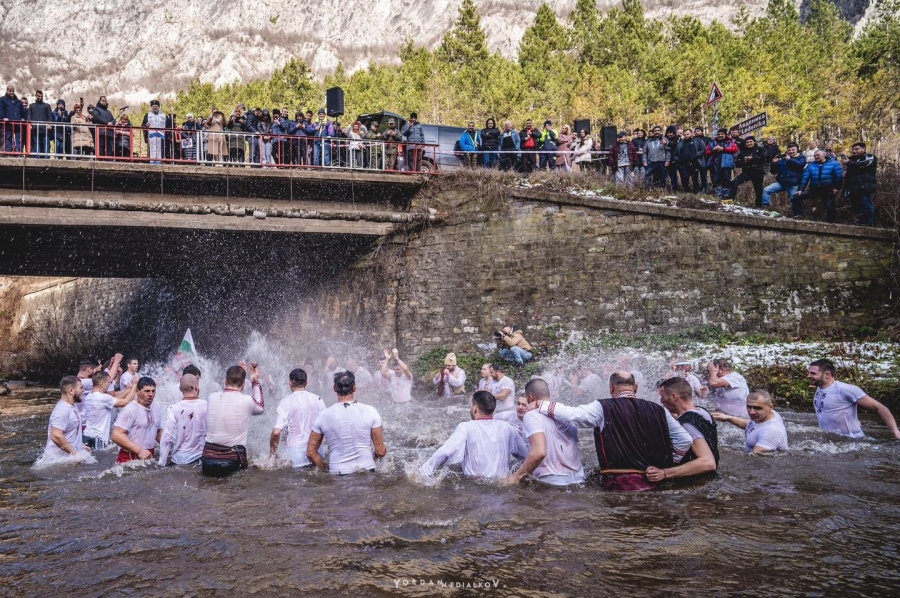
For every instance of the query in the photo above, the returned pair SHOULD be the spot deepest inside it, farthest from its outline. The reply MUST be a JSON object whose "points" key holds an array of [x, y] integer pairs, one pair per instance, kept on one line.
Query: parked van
{"points": [[442, 136]]}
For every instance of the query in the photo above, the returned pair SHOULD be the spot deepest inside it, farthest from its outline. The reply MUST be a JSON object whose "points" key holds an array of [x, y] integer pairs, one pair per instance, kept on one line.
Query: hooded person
{"points": [[62, 134], [102, 117], [451, 379]]}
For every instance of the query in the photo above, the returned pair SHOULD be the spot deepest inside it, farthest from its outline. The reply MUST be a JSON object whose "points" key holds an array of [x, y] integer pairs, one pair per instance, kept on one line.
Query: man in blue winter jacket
{"points": [[822, 179], [11, 111], [788, 170]]}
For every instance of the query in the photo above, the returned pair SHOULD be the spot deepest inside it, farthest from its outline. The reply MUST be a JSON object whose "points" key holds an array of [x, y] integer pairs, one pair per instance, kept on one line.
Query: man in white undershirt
{"points": [[228, 416], [86, 370], [64, 429], [296, 415], [482, 446], [586, 385], [514, 418], [184, 431], [487, 381], [398, 376], [730, 388], [765, 429], [451, 380], [131, 372], [553, 454], [503, 388], [139, 425], [351, 430], [364, 381], [99, 408]]}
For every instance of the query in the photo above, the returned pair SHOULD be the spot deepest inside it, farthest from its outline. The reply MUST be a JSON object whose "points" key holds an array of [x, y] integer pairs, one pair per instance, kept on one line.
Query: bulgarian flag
{"points": [[186, 353]]}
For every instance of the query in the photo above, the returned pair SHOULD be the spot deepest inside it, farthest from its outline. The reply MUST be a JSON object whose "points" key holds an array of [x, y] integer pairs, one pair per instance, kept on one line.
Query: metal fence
{"points": [[124, 143]]}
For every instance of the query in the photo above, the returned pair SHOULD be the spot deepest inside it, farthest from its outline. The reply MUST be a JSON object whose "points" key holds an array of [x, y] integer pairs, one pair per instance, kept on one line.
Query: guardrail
{"points": [[124, 143]]}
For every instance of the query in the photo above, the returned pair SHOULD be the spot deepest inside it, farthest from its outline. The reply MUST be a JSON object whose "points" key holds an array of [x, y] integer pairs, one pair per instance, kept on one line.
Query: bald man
{"points": [[184, 431], [630, 434]]}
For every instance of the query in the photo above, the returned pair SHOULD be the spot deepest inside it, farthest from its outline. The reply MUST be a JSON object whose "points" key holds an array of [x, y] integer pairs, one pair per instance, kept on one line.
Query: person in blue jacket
{"points": [[12, 112], [469, 142], [788, 170], [821, 179]]}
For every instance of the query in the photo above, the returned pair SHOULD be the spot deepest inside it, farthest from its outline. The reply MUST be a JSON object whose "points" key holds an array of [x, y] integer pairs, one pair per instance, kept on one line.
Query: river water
{"points": [[821, 520]]}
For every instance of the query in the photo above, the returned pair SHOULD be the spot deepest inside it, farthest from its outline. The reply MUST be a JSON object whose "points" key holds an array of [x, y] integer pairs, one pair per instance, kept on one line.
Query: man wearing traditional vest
{"points": [[630, 434], [677, 395]]}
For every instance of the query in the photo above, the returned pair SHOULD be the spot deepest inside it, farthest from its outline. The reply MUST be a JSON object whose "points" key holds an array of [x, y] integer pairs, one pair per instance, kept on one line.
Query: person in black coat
{"points": [[752, 162], [101, 116], [490, 144], [860, 181]]}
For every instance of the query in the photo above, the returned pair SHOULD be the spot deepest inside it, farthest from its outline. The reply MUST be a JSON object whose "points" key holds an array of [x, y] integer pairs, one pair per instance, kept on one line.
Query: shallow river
{"points": [[822, 520]]}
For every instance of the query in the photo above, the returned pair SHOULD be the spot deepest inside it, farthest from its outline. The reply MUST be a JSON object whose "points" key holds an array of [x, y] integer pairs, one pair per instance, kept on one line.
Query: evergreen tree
{"points": [[466, 43]]}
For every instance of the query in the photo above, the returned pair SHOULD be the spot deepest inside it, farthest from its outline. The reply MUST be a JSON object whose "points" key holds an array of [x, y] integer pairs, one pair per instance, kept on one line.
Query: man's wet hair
{"points": [[99, 378], [191, 369], [485, 401], [344, 382], [721, 362], [235, 376], [618, 380], [537, 388], [298, 377], [825, 365], [67, 382], [761, 395], [146, 381], [679, 386], [497, 367], [87, 362]]}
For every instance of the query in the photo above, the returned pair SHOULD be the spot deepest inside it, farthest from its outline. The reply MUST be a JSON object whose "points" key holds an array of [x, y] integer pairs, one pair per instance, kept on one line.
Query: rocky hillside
{"points": [[133, 50]]}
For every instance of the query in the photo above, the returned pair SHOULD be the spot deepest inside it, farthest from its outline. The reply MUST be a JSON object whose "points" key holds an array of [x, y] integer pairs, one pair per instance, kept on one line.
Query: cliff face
{"points": [[133, 50]]}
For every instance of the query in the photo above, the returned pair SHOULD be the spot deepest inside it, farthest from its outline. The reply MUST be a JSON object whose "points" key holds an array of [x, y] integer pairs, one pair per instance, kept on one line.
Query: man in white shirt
{"points": [[86, 370], [351, 430], [296, 414], [630, 434], [482, 446], [364, 381], [131, 372], [503, 388], [399, 377], [586, 385], [487, 381], [553, 457], [677, 395], [139, 425], [514, 418], [228, 416], [685, 370], [765, 429], [836, 402], [451, 380], [184, 431], [331, 368], [730, 387], [99, 408], [64, 429]]}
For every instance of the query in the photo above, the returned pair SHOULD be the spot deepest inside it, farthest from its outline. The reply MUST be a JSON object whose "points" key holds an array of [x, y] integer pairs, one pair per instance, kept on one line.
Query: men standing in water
{"points": [[99, 408], [184, 431], [451, 380], [836, 402], [482, 446], [503, 388], [514, 418], [64, 429], [677, 396], [228, 416], [630, 434], [765, 428], [553, 456], [730, 387], [297, 413], [139, 425], [399, 378], [351, 430]]}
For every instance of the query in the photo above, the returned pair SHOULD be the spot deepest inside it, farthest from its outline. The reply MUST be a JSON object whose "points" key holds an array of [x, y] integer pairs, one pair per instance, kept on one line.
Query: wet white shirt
{"points": [[99, 409], [141, 423], [66, 418], [228, 416], [347, 428], [486, 384], [836, 409], [733, 400], [694, 381], [401, 386], [363, 379], [510, 401], [126, 378], [770, 435], [512, 418], [456, 379], [296, 414], [184, 432], [593, 388], [483, 448], [562, 463], [591, 416]]}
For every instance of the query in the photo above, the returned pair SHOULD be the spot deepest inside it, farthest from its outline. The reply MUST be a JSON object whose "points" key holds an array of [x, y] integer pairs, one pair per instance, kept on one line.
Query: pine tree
{"points": [[585, 22], [466, 43]]}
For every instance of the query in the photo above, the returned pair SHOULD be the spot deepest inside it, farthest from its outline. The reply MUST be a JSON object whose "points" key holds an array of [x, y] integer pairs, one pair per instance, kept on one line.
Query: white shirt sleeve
{"points": [[459, 379], [517, 446], [451, 453], [681, 440], [281, 417], [168, 437], [584, 416]]}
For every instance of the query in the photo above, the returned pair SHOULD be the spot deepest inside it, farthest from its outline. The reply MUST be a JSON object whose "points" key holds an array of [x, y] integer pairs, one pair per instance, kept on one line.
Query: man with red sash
{"points": [[139, 425], [630, 434]]}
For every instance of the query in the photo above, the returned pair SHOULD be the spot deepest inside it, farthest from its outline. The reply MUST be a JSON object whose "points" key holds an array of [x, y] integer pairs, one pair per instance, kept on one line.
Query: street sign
{"points": [[715, 95], [754, 123]]}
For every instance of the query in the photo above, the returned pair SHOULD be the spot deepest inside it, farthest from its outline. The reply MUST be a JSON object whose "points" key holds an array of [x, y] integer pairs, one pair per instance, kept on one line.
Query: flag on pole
{"points": [[186, 353]]}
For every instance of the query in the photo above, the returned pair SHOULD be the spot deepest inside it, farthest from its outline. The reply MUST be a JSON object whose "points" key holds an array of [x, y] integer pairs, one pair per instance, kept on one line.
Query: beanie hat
{"points": [[63, 102]]}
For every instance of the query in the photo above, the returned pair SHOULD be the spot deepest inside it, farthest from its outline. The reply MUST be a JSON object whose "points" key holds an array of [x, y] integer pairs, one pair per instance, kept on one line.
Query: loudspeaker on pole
{"points": [[583, 124], [334, 101], [609, 137]]}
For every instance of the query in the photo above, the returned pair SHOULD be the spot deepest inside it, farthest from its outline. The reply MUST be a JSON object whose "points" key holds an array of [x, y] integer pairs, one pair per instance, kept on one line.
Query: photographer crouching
{"points": [[517, 350]]}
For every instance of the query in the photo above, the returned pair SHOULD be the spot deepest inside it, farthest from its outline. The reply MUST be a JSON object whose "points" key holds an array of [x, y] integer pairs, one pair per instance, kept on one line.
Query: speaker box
{"points": [[334, 101], [609, 137], [583, 124]]}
